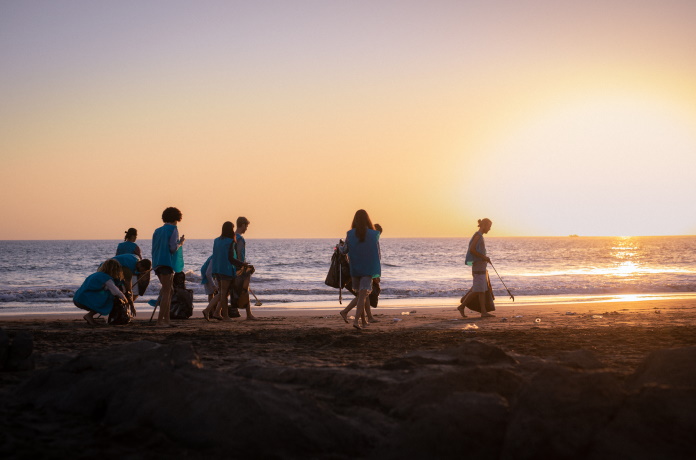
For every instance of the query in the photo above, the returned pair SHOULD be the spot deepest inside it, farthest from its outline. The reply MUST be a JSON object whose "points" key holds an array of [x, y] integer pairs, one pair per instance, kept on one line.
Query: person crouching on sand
{"points": [[362, 247], [97, 293], [165, 244], [477, 259], [134, 268]]}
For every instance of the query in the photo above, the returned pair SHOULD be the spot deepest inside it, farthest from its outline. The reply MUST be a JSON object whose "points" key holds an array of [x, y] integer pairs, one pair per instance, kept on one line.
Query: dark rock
{"points": [[462, 425], [675, 367], [655, 422], [471, 353], [559, 411], [165, 389], [19, 356], [579, 359], [434, 387], [4, 347]]}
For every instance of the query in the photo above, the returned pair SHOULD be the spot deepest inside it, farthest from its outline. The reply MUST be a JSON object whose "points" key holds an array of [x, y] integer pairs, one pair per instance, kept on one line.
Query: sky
{"points": [[549, 117]]}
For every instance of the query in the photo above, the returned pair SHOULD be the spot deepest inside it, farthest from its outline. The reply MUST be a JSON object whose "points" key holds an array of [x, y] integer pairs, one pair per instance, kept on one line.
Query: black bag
{"points": [[181, 306], [120, 313], [339, 271]]}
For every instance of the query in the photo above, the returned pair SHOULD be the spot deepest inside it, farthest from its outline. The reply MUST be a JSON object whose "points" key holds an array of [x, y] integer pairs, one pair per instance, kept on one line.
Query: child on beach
{"points": [[97, 293], [165, 246], [362, 247], [477, 259], [225, 265], [128, 246]]}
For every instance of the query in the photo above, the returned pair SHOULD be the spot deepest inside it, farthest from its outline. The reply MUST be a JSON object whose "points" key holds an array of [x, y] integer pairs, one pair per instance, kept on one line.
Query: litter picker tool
{"points": [[258, 302], [501, 280]]}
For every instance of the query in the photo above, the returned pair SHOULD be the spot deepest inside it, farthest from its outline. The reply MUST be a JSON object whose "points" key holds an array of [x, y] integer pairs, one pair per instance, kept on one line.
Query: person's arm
{"points": [[111, 287], [138, 253], [472, 248], [233, 260], [175, 242]]}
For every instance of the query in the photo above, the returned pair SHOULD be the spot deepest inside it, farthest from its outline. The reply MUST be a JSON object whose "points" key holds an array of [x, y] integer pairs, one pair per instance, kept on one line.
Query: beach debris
{"points": [[351, 317], [396, 320], [657, 312], [519, 316], [470, 326], [569, 313], [597, 316], [405, 313], [503, 319], [412, 311], [538, 320]]}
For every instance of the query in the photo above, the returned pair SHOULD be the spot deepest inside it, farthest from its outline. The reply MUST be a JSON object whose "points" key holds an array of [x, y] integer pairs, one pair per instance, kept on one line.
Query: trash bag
{"points": [[181, 306]]}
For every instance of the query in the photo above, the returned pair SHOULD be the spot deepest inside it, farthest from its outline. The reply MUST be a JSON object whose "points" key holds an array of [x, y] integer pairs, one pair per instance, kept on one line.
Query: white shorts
{"points": [[361, 283], [480, 283]]}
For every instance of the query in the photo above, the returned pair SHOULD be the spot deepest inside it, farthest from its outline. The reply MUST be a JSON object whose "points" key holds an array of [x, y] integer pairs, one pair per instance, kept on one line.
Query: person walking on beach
{"points": [[225, 265], [362, 247], [97, 293], [165, 245], [128, 246], [242, 227], [477, 259], [372, 298]]}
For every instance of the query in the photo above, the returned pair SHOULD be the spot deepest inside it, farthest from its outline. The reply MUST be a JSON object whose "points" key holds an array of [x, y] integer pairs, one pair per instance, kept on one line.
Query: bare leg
{"points": [[166, 296], [464, 300], [249, 315], [349, 307], [223, 308], [360, 311], [368, 311], [213, 300], [482, 303]]}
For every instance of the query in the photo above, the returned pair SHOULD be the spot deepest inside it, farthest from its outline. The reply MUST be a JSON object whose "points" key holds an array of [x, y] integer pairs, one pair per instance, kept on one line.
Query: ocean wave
{"points": [[31, 295]]}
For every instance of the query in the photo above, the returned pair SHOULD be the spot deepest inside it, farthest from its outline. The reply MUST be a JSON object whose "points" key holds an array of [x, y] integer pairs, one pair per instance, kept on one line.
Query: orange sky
{"points": [[548, 117]]}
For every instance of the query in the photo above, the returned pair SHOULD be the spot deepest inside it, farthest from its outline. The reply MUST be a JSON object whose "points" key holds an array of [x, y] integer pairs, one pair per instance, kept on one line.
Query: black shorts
{"points": [[164, 270]]}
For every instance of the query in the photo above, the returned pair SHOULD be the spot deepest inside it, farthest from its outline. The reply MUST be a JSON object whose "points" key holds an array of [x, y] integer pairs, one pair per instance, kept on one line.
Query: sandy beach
{"points": [[410, 384]]}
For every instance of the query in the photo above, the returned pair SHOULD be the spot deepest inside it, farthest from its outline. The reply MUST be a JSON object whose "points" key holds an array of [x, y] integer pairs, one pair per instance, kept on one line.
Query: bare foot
{"points": [[252, 318], [163, 324], [206, 315], [344, 316], [487, 315], [90, 320], [461, 310], [357, 326]]}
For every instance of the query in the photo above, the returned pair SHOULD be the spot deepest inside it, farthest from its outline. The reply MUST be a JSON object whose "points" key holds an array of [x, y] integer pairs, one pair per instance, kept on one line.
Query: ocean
{"points": [[41, 276]]}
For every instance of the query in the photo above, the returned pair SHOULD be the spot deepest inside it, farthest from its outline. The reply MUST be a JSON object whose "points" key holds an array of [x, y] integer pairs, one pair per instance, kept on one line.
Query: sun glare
{"points": [[602, 167]]}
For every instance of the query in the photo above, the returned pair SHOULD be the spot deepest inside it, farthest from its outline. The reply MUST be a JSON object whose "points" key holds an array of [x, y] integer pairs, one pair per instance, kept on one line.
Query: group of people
{"points": [[227, 272]]}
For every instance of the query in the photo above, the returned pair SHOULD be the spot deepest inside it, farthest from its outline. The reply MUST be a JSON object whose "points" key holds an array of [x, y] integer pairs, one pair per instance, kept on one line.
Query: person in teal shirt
{"points": [[97, 293], [128, 246], [362, 247], [167, 258]]}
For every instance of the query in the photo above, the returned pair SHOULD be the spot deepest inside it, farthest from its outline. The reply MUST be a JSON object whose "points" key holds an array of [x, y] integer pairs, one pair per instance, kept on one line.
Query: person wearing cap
{"points": [[242, 226], [128, 246]]}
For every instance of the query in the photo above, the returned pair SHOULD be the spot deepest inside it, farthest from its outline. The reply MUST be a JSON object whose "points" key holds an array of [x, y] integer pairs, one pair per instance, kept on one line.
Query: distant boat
{"points": [[573, 235]]}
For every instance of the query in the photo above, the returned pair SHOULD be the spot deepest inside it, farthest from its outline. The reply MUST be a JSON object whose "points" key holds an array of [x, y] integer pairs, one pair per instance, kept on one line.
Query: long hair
{"points": [[112, 268], [228, 231], [361, 222]]}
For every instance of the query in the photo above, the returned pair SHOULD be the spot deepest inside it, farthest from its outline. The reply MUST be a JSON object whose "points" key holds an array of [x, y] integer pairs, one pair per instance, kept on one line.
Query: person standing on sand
{"points": [[207, 279], [97, 293], [165, 244], [242, 226], [225, 265], [362, 247], [477, 259], [128, 246]]}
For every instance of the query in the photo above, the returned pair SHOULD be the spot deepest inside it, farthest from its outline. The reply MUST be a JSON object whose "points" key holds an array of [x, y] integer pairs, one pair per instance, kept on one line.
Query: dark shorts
{"points": [[79, 305], [164, 270]]}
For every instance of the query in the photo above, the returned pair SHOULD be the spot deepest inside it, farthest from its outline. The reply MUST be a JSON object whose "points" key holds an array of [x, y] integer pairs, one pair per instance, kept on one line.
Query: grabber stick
{"points": [[501, 280], [258, 302]]}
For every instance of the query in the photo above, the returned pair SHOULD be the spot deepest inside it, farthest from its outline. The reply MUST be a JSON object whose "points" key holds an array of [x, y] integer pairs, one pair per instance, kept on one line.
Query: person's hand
{"points": [[378, 228], [182, 239], [488, 259]]}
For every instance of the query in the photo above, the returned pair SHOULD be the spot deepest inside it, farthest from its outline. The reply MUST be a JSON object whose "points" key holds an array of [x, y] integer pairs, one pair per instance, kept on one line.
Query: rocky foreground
{"points": [[466, 399]]}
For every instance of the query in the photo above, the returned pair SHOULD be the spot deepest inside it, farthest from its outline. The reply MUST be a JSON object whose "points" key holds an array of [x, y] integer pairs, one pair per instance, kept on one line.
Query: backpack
{"points": [[181, 306], [120, 313]]}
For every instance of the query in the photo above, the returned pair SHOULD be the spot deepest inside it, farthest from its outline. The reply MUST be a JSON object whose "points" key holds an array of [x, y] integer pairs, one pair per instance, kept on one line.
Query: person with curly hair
{"points": [[96, 295], [166, 246]]}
